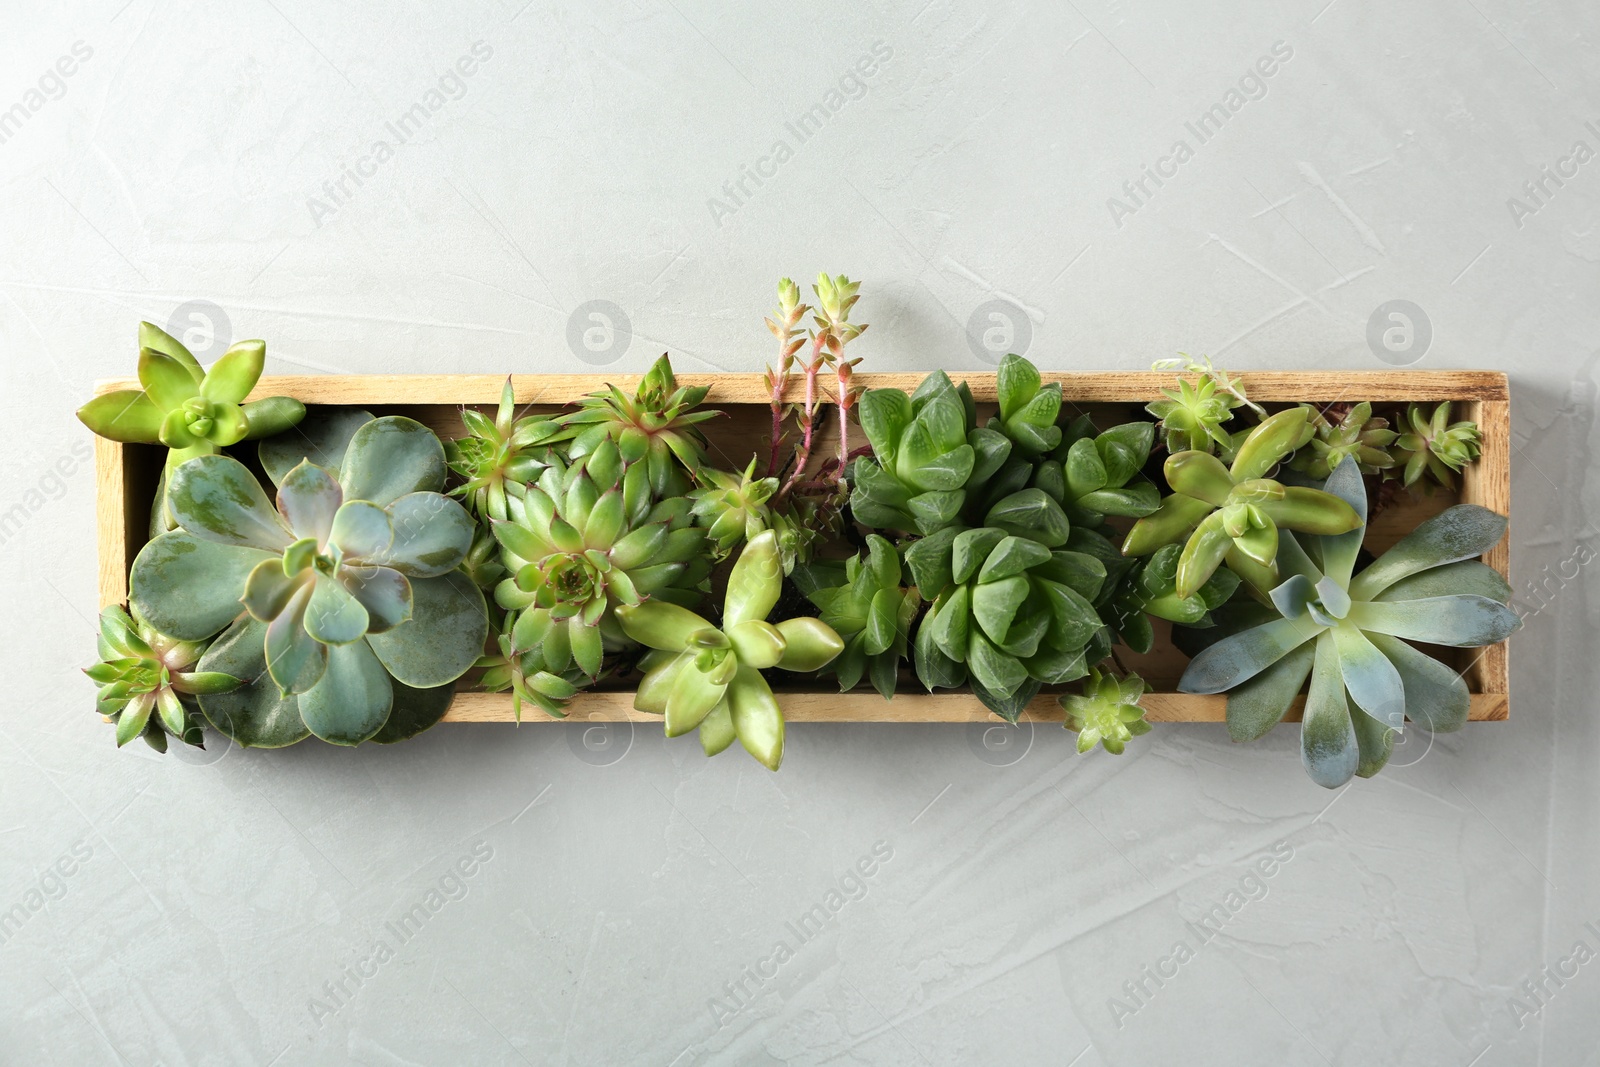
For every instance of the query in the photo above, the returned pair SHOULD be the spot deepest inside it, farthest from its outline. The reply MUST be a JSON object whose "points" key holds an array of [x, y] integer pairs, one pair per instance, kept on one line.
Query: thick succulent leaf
{"points": [[1199, 475], [166, 381], [1238, 658], [884, 672], [1459, 533], [188, 588], [271, 415], [1079, 571], [1256, 706], [1339, 551], [809, 644], [126, 415], [1372, 680], [267, 590], [321, 437], [935, 670], [656, 685], [1169, 524], [1054, 666], [1469, 576], [444, 637], [1016, 382], [352, 701], [1031, 513], [930, 561], [384, 593], [1084, 469], [1009, 706], [883, 621], [295, 658], [235, 373], [432, 536], [256, 715], [1292, 597], [1273, 439], [992, 668], [755, 582], [990, 449], [1465, 621], [1436, 695], [588, 647], [154, 337], [1328, 746], [362, 531], [309, 498], [217, 498], [694, 693], [1123, 450], [949, 620], [333, 616], [390, 457], [757, 643], [995, 604], [884, 415], [756, 717], [717, 731], [1133, 502], [1012, 556], [657, 624], [414, 711], [970, 548], [1073, 620], [1375, 742], [933, 511]]}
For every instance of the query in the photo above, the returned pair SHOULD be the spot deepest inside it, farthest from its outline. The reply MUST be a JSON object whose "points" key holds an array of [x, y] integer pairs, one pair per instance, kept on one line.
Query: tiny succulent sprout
{"points": [[1107, 713], [708, 677], [657, 425], [1434, 445], [1356, 435], [1233, 514], [1193, 414], [1352, 633], [500, 455], [149, 681], [353, 601], [867, 606], [733, 508]]}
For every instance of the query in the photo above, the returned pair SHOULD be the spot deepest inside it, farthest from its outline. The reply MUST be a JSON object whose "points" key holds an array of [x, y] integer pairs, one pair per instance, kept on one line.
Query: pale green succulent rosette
{"points": [[149, 682], [1107, 713], [708, 677], [1350, 634], [356, 621]]}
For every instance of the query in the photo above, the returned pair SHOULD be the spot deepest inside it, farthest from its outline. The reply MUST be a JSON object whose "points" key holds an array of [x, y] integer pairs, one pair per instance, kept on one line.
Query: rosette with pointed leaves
{"points": [[524, 673], [355, 621], [1008, 614], [926, 449], [708, 677], [1234, 514], [1094, 475], [148, 681], [867, 606], [1107, 713], [1357, 435], [1350, 634], [1434, 445], [1193, 415], [656, 426], [1151, 589], [500, 455], [1028, 409], [193, 412], [733, 507], [585, 538]]}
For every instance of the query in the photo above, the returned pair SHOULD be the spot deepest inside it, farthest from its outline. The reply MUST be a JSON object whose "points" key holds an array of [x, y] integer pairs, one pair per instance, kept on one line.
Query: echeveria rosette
{"points": [[865, 604], [1433, 445], [927, 448], [708, 677], [1150, 589], [733, 508], [353, 604], [1233, 514], [1107, 712], [525, 674], [1350, 634], [500, 455], [581, 541], [1357, 435], [1008, 614], [657, 425], [149, 681]]}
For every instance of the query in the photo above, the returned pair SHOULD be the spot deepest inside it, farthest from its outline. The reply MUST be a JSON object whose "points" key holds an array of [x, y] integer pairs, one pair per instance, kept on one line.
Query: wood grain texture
{"points": [[126, 478]]}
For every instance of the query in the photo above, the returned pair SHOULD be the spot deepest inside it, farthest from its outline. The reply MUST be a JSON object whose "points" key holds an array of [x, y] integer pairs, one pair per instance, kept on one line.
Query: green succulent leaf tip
{"points": [[149, 682], [1352, 633], [1107, 712], [706, 677]]}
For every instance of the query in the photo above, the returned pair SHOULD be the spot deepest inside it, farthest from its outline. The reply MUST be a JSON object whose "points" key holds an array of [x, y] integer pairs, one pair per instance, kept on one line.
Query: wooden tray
{"points": [[127, 475]]}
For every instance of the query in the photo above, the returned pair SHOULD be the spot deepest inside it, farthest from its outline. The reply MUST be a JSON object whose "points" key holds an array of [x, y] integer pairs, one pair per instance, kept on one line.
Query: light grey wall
{"points": [[619, 886]]}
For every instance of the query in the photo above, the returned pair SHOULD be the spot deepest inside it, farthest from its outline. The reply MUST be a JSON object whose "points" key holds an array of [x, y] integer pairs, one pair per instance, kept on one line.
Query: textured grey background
{"points": [[621, 886]]}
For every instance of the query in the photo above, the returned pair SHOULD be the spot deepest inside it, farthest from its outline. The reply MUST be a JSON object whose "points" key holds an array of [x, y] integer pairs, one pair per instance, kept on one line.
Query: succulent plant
{"points": [[1028, 409], [584, 539], [864, 602], [192, 411], [1435, 445], [1234, 514], [355, 620], [500, 455], [709, 677], [1350, 632], [1357, 434], [524, 673], [1008, 614], [656, 425], [1094, 475], [1151, 589], [733, 507], [1193, 415], [148, 681], [1107, 713], [926, 449]]}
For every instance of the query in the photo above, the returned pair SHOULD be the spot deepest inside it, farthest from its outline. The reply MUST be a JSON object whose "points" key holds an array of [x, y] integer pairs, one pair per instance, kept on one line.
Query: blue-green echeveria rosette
{"points": [[356, 620], [1351, 635]]}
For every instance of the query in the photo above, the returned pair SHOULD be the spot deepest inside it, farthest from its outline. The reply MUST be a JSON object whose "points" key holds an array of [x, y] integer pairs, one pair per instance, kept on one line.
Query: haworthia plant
{"points": [[865, 602]]}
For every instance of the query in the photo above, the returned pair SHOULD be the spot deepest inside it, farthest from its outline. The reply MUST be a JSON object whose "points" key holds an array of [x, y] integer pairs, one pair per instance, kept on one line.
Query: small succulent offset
{"points": [[1357, 435], [1107, 713], [353, 607], [148, 681], [1193, 415], [926, 449], [733, 507], [585, 539], [500, 456], [709, 677], [192, 411], [864, 602], [1434, 445], [524, 674], [1151, 589], [1350, 632], [1234, 514], [1008, 614], [655, 425]]}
